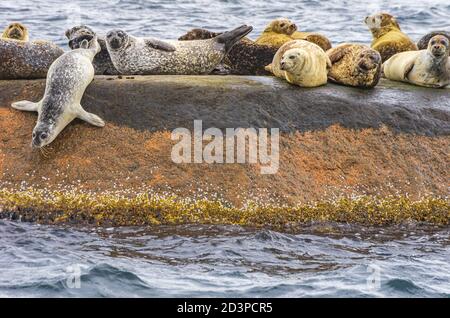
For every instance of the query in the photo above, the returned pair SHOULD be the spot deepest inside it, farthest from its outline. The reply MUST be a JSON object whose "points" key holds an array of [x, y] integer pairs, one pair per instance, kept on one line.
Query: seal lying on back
{"points": [[429, 68], [26, 60], [388, 39], [16, 31], [102, 61], [423, 42], [144, 56], [245, 58], [301, 63], [354, 65], [67, 80], [283, 30], [277, 33]]}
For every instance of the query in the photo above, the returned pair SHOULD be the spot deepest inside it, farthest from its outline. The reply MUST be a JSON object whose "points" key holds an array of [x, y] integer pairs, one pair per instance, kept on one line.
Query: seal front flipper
{"points": [[90, 118], [26, 106], [409, 67], [159, 45]]}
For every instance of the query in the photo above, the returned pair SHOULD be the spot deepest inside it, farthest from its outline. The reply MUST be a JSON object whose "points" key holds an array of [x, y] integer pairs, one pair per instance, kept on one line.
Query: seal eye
{"points": [[282, 25], [292, 57], [443, 42], [43, 136], [34, 135]]}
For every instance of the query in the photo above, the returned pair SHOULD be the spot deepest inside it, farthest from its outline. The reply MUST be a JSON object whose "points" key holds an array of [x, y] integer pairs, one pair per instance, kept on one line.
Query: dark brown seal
{"points": [[26, 60]]}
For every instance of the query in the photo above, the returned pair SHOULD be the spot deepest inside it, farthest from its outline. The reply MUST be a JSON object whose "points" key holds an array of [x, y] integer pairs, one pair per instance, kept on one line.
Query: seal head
{"points": [[368, 60], [281, 26], [16, 31], [117, 39], [439, 46]]}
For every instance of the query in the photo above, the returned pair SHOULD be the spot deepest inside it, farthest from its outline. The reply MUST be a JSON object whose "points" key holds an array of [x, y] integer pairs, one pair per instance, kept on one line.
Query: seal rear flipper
{"points": [[25, 105], [159, 45], [230, 38], [90, 118], [269, 68]]}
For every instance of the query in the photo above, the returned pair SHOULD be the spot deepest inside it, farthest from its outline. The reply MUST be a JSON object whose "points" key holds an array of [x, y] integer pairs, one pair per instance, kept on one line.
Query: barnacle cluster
{"points": [[53, 207]]}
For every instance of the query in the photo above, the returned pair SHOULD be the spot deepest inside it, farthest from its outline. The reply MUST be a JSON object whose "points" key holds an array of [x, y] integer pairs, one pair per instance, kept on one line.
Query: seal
{"points": [[277, 33], [423, 42], [301, 63], [102, 61], [354, 65], [313, 37], [67, 80], [16, 31], [245, 58], [429, 68], [388, 39], [26, 60], [146, 56]]}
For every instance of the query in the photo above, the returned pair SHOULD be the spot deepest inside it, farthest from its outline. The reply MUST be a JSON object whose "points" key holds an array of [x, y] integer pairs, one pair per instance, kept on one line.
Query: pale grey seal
{"points": [[145, 56], [67, 80]]}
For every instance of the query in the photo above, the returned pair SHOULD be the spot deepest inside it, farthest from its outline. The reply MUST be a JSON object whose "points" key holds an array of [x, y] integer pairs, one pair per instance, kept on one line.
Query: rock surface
{"points": [[336, 141]]}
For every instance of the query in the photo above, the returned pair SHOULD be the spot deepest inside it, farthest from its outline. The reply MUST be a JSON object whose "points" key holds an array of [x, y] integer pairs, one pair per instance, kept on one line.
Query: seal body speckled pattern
{"points": [[245, 58], [423, 42], [146, 56], [301, 63], [67, 80], [429, 68], [26, 60], [102, 61], [354, 65]]}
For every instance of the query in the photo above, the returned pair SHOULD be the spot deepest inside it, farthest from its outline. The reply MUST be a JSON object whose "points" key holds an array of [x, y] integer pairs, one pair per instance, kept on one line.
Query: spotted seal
{"points": [[26, 60], [388, 39], [144, 56], [16, 31], [301, 63], [354, 65], [429, 68], [423, 42], [245, 58], [102, 61], [67, 80]]}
